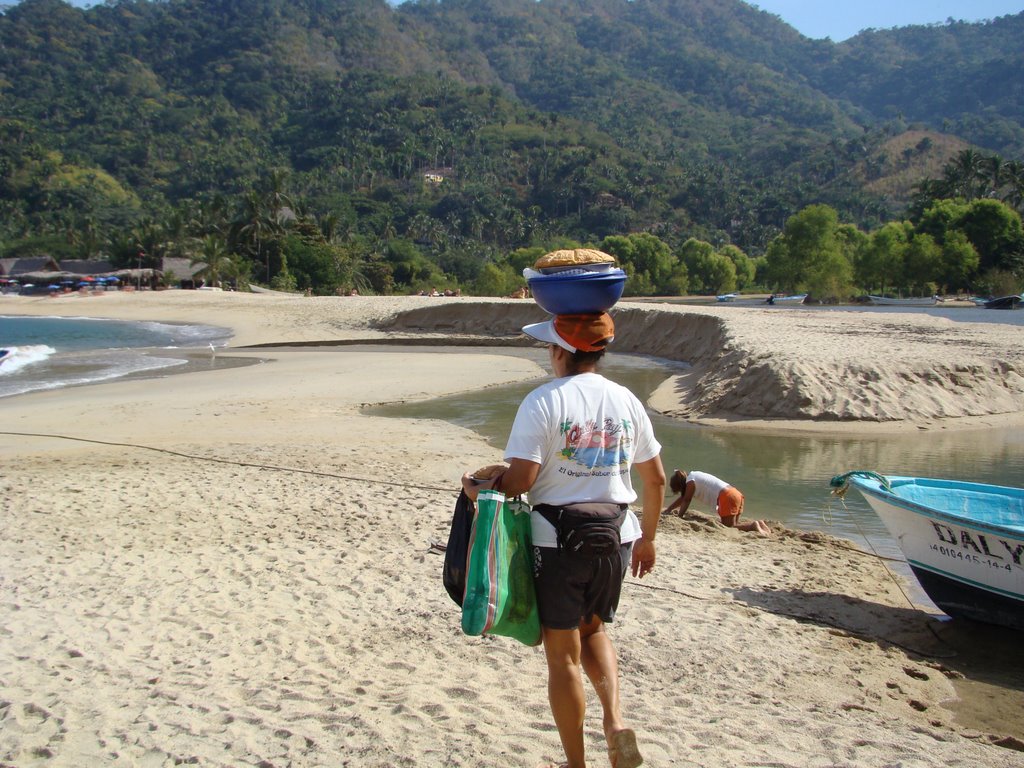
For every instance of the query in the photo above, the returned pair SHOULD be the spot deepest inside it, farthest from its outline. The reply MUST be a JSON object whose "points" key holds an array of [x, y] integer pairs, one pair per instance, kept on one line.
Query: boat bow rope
{"points": [[840, 484]]}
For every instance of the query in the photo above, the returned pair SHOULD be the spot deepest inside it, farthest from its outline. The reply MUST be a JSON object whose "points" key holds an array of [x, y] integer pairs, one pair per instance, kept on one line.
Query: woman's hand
{"points": [[643, 557], [472, 486]]}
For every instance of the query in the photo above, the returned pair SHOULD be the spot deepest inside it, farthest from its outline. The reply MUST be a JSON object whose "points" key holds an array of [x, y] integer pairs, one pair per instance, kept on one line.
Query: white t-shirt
{"points": [[706, 488], [585, 432]]}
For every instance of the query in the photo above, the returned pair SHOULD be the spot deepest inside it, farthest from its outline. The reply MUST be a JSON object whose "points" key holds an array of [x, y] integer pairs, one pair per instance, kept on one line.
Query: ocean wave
{"points": [[183, 335], [15, 358], [77, 369]]}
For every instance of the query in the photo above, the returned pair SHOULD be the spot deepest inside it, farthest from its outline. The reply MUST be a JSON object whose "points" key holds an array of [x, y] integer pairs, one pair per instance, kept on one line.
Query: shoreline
{"points": [[236, 566], [749, 368]]}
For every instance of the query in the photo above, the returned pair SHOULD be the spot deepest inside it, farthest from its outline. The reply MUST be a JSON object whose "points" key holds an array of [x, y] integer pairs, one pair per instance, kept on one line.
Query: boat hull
{"points": [[797, 298], [1004, 302], [963, 541], [883, 301]]}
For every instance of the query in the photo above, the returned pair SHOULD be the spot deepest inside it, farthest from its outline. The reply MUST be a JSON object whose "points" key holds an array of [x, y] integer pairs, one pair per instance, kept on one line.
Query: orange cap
{"points": [[584, 333]]}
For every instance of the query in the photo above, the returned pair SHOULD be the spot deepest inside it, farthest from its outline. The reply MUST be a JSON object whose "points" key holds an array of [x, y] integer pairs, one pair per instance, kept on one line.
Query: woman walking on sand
{"points": [[573, 444]]}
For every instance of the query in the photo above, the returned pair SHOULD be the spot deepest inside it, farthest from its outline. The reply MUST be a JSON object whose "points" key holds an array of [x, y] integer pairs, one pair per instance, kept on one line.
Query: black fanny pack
{"points": [[589, 529]]}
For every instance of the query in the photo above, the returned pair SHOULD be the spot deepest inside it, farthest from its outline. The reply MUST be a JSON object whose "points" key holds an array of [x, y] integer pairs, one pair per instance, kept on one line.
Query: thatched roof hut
{"points": [[19, 267]]}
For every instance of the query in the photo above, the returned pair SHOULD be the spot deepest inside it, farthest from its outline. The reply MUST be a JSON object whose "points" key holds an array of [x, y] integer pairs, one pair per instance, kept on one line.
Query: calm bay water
{"points": [[53, 352], [784, 477]]}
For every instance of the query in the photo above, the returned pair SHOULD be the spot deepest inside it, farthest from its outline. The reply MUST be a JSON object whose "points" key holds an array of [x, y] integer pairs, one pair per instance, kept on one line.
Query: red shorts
{"points": [[730, 502]]}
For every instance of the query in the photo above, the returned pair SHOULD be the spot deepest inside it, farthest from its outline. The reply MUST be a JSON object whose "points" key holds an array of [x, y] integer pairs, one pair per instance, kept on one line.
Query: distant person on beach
{"points": [[572, 446], [714, 493]]}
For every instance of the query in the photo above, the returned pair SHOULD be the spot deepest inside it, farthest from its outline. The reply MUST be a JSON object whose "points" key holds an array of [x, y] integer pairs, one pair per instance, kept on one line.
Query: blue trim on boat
{"points": [[875, 488]]}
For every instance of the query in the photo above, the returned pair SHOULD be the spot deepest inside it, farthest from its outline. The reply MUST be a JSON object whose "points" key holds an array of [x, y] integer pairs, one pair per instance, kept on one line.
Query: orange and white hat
{"points": [[583, 333]]}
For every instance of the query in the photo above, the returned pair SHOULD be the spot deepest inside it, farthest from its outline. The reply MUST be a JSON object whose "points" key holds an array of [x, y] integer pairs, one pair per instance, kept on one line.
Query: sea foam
{"points": [[17, 358]]}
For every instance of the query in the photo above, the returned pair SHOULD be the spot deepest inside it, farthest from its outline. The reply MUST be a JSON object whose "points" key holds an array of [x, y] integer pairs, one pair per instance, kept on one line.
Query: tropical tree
{"points": [[745, 270], [963, 176], [879, 263], [496, 280], [959, 261], [709, 271], [250, 229], [811, 254], [995, 231], [646, 258], [922, 265], [213, 252]]}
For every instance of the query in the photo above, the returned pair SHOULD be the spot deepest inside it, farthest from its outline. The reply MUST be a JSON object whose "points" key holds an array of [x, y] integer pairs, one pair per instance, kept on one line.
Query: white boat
{"points": [[726, 297], [963, 541], [922, 301], [796, 298]]}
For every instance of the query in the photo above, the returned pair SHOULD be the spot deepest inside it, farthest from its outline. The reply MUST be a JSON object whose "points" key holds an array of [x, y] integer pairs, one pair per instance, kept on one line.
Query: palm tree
{"points": [[1014, 194], [274, 197], [250, 227], [213, 251], [994, 170], [964, 173], [329, 226]]}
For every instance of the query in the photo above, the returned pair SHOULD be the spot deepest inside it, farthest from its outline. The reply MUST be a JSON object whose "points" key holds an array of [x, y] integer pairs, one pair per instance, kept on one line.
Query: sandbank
{"points": [[234, 567], [754, 368]]}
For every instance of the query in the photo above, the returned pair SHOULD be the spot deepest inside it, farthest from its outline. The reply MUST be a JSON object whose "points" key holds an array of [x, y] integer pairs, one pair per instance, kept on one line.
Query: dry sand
{"points": [[233, 567]]}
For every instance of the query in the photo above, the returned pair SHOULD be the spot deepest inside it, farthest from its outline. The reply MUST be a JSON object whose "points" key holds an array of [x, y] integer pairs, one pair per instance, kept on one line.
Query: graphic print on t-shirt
{"points": [[591, 445]]}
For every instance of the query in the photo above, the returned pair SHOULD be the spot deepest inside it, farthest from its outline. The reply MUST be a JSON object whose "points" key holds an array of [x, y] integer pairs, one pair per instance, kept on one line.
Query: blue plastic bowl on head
{"points": [[575, 294]]}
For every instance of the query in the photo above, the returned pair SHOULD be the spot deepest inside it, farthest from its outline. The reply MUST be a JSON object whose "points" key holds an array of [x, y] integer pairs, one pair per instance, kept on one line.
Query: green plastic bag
{"points": [[500, 599]]}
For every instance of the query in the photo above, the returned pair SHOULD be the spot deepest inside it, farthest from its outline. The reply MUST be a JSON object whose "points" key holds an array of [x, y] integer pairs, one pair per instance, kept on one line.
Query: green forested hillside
{"points": [[963, 79], [403, 146]]}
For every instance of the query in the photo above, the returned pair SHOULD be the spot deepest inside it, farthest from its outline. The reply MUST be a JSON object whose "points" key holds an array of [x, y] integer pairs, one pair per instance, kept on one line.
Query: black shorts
{"points": [[571, 589]]}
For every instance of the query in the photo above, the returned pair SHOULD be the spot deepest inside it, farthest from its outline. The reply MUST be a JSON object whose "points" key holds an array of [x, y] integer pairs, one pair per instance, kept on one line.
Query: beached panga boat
{"points": [[963, 541], [796, 298], [1004, 302], [922, 301]]}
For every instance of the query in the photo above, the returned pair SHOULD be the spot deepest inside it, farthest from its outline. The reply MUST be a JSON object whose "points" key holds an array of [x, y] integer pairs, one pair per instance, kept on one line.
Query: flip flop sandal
{"points": [[623, 751]]}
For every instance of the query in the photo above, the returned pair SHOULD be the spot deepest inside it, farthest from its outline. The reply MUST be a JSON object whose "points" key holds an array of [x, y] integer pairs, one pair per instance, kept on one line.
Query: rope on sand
{"points": [[213, 459], [439, 548], [840, 485]]}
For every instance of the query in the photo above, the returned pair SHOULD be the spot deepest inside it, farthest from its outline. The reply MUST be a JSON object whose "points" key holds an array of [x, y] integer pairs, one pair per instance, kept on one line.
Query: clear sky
{"points": [[840, 19]]}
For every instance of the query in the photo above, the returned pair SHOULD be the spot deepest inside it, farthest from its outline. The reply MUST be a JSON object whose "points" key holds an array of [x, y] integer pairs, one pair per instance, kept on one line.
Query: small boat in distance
{"points": [[1003, 302], [922, 301], [796, 298], [726, 297], [963, 541]]}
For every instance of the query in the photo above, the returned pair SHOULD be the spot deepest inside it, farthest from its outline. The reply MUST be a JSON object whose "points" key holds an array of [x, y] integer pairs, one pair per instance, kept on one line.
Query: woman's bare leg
{"points": [[562, 650]]}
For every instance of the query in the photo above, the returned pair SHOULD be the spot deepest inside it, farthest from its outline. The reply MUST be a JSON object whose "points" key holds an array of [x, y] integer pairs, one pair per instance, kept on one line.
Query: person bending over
{"points": [[715, 493]]}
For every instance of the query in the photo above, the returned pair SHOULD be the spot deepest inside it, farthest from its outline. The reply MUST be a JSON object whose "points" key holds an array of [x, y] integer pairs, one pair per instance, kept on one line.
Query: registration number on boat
{"points": [[958, 554]]}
